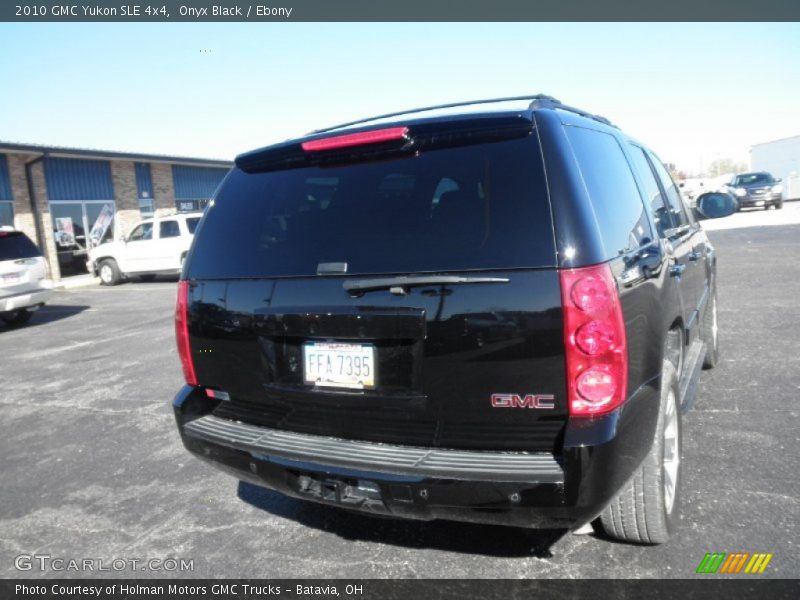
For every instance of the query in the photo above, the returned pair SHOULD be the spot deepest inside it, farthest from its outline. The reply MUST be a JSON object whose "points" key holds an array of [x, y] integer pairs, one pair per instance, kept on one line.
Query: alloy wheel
{"points": [[672, 457], [714, 327]]}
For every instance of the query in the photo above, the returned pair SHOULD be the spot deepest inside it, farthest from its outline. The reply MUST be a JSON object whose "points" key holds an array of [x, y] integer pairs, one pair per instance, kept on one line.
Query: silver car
{"points": [[24, 282]]}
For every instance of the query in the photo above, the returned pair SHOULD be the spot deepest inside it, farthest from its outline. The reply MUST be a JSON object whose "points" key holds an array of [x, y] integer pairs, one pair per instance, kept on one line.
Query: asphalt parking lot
{"points": [[92, 466]]}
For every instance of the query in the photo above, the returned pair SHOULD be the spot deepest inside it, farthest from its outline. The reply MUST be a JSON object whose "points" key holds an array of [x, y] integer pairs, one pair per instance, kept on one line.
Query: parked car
{"points": [[316, 288], [155, 246], [24, 282], [757, 190]]}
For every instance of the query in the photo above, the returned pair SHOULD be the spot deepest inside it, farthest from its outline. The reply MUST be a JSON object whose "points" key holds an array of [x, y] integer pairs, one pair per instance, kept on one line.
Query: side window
{"points": [[615, 197], [652, 191], [676, 208], [142, 232], [168, 229]]}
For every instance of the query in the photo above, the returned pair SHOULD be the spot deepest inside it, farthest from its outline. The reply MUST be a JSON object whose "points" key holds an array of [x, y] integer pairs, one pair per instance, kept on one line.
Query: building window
{"points": [[146, 207], [6, 214], [6, 206], [144, 189]]}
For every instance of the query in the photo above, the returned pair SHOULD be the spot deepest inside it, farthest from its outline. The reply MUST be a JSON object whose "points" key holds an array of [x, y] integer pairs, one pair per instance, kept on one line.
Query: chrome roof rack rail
{"points": [[548, 102], [533, 98], [536, 101]]}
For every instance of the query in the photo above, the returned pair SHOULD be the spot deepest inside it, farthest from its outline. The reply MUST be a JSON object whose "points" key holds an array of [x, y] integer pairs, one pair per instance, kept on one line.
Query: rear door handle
{"points": [[677, 269]]}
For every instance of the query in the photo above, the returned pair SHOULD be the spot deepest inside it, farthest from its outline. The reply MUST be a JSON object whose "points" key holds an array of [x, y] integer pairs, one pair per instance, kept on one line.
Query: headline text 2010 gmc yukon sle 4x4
{"points": [[492, 314]]}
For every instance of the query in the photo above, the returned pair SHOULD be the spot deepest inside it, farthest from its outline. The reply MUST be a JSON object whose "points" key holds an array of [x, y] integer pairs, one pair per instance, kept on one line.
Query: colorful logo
{"points": [[734, 562]]}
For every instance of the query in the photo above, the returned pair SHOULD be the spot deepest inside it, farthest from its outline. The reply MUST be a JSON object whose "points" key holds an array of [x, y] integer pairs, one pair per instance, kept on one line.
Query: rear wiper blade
{"points": [[398, 285]]}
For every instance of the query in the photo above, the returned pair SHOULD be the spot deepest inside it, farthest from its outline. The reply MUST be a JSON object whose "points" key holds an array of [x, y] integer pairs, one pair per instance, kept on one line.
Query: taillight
{"points": [[182, 333], [376, 136], [594, 339]]}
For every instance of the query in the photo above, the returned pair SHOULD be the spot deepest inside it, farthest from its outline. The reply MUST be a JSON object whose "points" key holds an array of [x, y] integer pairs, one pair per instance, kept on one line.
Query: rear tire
{"points": [[710, 333], [646, 509], [18, 317], [779, 205], [109, 272]]}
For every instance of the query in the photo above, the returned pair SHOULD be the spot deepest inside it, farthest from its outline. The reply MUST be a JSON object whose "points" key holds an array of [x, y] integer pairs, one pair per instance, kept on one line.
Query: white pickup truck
{"points": [[155, 246]]}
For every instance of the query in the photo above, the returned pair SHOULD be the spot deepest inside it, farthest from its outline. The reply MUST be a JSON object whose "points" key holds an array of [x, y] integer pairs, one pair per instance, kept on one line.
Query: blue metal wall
{"points": [[144, 182], [194, 183], [78, 179], [5, 180]]}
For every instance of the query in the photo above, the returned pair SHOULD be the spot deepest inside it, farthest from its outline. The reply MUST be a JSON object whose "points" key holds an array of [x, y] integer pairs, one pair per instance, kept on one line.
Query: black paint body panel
{"points": [[441, 352]]}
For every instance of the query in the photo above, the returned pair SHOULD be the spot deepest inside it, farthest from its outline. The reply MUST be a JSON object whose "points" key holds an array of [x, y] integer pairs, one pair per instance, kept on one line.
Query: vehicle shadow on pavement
{"points": [[47, 314], [467, 538], [145, 279]]}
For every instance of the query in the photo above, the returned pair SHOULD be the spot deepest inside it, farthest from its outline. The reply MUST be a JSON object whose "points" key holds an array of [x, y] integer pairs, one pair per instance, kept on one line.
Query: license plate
{"points": [[11, 278], [760, 203], [339, 365]]}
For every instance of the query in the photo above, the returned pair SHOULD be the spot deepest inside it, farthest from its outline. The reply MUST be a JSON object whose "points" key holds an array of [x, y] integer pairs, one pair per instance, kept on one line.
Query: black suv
{"points": [[756, 190], [497, 315]]}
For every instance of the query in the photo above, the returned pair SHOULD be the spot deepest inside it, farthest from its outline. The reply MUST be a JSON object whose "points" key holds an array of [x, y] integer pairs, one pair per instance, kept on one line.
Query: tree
{"points": [[721, 166]]}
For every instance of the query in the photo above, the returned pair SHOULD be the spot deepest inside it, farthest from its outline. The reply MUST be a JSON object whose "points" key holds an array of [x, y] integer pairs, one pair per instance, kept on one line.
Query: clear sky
{"points": [[693, 92]]}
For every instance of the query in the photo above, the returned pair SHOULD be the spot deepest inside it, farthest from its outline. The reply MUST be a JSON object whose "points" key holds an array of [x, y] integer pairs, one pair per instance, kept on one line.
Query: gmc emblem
{"points": [[529, 401]]}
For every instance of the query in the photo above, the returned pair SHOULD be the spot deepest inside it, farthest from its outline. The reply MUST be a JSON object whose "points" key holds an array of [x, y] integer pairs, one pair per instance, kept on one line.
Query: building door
{"points": [[77, 227]]}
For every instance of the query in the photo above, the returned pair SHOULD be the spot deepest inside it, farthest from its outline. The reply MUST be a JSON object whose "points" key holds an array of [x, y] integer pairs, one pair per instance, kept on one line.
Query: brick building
{"points": [[58, 195]]}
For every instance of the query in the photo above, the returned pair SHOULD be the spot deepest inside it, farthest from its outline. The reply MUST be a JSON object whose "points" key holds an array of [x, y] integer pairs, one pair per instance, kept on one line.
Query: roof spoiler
{"points": [[416, 137]]}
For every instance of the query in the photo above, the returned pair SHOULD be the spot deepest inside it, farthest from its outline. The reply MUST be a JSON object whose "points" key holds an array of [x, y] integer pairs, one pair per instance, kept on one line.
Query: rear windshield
{"points": [[15, 244], [474, 207]]}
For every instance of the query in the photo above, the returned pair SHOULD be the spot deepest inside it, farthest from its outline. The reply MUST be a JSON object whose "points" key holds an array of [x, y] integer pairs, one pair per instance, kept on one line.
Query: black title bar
{"points": [[403, 589], [399, 10]]}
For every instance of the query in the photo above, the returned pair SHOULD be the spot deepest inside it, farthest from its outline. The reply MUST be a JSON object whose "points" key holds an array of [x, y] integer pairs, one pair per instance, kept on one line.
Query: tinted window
{"points": [[651, 190], [142, 232], [473, 207], [612, 188], [15, 244], [191, 224], [168, 229], [753, 179], [676, 207]]}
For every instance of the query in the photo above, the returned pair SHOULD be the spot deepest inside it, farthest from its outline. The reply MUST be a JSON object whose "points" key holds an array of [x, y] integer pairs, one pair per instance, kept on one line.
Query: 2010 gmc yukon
{"points": [[493, 312]]}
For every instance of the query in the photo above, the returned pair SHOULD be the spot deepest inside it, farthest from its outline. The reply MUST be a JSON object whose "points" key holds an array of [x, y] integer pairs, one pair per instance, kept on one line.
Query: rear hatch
{"points": [[22, 268], [408, 299]]}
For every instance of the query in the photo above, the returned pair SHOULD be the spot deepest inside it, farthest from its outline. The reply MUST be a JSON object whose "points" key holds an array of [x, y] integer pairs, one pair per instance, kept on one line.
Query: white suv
{"points": [[154, 246], [24, 284]]}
